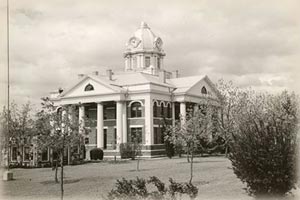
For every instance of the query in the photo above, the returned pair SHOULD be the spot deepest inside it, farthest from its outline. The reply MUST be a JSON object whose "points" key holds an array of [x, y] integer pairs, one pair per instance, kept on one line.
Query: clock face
{"points": [[134, 42], [158, 43]]}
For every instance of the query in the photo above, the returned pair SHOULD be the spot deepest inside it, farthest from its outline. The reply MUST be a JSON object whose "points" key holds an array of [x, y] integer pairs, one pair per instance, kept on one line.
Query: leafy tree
{"points": [[265, 141], [137, 149], [165, 129], [225, 119], [195, 128], [17, 127], [58, 128]]}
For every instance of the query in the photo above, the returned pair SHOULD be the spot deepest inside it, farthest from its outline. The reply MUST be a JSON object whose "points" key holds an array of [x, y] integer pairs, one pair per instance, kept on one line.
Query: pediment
{"points": [[203, 85], [90, 86]]}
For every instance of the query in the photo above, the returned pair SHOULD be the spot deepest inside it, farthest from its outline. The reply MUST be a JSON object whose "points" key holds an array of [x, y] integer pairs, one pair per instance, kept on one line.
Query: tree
{"points": [[264, 145], [17, 127], [189, 134], [225, 119], [58, 128], [166, 131], [136, 146]]}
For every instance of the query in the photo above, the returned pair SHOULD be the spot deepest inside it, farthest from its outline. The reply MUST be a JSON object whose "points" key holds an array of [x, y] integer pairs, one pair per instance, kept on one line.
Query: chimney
{"points": [[109, 74], [95, 73], [162, 76], [80, 76], [60, 90], [175, 74]]}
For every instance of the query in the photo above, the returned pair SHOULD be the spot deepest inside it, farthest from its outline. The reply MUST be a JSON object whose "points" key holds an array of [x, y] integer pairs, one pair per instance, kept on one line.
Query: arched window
{"points": [[155, 114], [203, 90], [169, 111], [162, 109], [136, 110], [89, 87]]}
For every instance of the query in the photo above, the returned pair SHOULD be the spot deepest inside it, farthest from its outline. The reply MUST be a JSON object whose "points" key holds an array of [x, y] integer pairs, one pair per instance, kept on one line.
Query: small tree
{"points": [[58, 128], [166, 131], [189, 134], [137, 149], [265, 141]]}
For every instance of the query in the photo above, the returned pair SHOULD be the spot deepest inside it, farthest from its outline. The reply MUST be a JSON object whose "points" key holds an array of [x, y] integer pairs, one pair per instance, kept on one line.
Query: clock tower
{"points": [[144, 51]]}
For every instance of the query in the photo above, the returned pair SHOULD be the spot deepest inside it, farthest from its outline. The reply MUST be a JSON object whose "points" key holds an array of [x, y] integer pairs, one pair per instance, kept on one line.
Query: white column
{"points": [[124, 122], [81, 117], [148, 121], [138, 61], [100, 137], [142, 61], [119, 123], [63, 117], [173, 113], [126, 63], [182, 112]]}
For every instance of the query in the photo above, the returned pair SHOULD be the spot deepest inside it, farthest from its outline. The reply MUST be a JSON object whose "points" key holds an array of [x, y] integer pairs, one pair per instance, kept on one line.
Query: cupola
{"points": [[144, 51]]}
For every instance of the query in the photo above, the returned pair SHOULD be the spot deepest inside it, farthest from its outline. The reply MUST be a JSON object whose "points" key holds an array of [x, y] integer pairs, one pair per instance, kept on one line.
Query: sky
{"points": [[254, 43]]}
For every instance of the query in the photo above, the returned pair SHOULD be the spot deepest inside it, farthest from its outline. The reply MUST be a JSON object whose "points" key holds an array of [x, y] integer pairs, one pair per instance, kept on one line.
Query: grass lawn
{"points": [[212, 175]]}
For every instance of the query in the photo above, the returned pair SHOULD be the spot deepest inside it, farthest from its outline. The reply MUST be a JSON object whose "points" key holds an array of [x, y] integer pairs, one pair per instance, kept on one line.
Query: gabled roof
{"points": [[183, 84], [103, 82], [136, 78]]}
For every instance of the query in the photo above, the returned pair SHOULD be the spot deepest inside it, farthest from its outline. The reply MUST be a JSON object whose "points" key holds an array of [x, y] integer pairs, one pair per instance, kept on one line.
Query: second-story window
{"points": [[169, 111], [162, 109], [136, 110], [147, 61], [155, 114]]}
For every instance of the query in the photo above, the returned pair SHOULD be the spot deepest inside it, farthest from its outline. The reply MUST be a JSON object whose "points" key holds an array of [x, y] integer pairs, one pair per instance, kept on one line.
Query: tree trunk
{"points": [[138, 164], [226, 151], [188, 156], [62, 174], [192, 158], [56, 169]]}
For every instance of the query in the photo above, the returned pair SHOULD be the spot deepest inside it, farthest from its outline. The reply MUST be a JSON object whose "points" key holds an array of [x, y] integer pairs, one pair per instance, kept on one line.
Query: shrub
{"points": [[263, 149], [126, 151], [137, 189], [96, 154]]}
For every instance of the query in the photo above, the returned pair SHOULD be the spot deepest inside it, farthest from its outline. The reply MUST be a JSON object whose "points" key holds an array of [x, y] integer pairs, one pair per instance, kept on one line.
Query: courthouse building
{"points": [[136, 101]]}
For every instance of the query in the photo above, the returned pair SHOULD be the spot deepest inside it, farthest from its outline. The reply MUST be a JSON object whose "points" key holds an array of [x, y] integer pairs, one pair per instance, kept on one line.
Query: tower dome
{"points": [[144, 49]]}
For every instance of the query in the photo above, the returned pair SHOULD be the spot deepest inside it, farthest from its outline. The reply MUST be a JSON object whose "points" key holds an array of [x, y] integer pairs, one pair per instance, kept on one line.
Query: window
{"points": [[26, 153], [136, 135], [105, 138], [158, 136], [147, 61], [55, 155], [155, 114], [177, 111], [109, 112], [89, 87], [115, 139], [86, 140], [14, 153], [162, 109], [136, 110], [169, 111], [45, 155], [203, 90], [158, 63]]}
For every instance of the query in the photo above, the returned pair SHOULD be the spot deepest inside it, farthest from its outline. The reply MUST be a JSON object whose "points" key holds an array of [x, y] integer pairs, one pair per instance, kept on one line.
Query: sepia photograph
{"points": [[134, 100]]}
